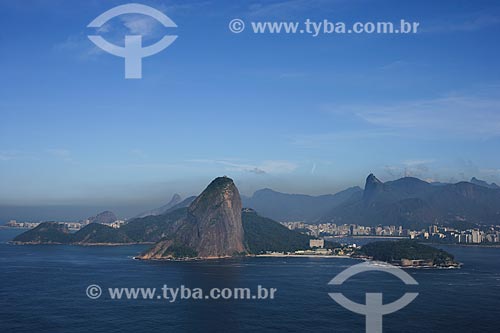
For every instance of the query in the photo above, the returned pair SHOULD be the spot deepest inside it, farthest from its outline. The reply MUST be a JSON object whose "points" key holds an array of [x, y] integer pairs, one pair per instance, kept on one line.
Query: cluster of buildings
{"points": [[317, 248], [432, 233], [468, 236], [70, 225], [331, 229], [25, 225]]}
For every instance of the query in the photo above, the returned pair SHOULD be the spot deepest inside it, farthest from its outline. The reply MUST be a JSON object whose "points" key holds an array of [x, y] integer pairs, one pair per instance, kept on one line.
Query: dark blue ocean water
{"points": [[42, 289]]}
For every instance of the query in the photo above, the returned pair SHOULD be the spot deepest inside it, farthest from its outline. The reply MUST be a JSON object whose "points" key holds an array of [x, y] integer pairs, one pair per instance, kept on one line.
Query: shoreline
{"points": [[246, 256], [459, 266], [369, 236], [299, 256], [79, 244], [493, 246]]}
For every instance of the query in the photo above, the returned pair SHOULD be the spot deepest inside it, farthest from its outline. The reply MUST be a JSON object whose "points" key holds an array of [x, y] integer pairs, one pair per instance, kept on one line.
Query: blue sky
{"points": [[292, 112]]}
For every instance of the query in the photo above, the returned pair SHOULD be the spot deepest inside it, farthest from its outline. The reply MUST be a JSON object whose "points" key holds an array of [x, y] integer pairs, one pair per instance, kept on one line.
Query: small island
{"points": [[407, 253]]}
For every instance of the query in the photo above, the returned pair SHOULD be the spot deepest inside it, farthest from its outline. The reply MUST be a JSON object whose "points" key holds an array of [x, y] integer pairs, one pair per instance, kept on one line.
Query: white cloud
{"points": [[417, 162], [138, 153], [60, 153], [313, 169], [9, 155], [473, 115], [140, 25], [315, 140], [79, 45], [419, 168], [5, 156], [287, 9], [464, 23], [265, 167]]}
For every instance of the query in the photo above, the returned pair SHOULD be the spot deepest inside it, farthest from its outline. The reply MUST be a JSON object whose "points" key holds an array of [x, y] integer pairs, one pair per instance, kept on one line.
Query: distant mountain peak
{"points": [[372, 186], [371, 179], [483, 183], [264, 190], [106, 217], [176, 200]]}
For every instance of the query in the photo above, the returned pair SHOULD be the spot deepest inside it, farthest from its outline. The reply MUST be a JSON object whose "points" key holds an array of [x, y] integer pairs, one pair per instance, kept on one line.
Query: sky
{"points": [[292, 112]]}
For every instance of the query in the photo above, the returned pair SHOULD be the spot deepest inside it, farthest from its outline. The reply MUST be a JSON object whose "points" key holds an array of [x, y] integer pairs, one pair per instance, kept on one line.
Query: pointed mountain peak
{"points": [[371, 179], [176, 198], [372, 186]]}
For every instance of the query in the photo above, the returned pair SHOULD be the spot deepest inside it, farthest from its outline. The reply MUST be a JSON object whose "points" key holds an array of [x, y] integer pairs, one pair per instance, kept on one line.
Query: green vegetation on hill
{"points": [[153, 228], [46, 233], [96, 233], [263, 234], [390, 251], [180, 251]]}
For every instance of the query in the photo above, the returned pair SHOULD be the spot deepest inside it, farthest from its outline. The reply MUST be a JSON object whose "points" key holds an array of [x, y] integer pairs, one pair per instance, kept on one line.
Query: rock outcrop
{"points": [[373, 186], [211, 229]]}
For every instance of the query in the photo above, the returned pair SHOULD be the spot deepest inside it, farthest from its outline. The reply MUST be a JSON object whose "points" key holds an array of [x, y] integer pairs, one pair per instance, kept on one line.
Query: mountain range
{"points": [[214, 225], [414, 203], [296, 207], [482, 183], [408, 201]]}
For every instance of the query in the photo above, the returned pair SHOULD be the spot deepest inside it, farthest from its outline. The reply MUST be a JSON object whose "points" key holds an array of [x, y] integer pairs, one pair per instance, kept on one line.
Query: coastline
{"points": [[368, 236], [299, 256], [493, 246], [80, 244]]}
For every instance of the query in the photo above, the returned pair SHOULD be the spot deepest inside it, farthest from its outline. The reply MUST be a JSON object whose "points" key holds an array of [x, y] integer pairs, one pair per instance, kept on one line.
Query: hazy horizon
{"points": [[75, 209]]}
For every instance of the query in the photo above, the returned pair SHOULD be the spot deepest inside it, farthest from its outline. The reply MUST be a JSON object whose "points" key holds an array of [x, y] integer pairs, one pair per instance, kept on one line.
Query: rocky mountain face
{"points": [[414, 203], [105, 217], [216, 215], [296, 207], [212, 227], [373, 187]]}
